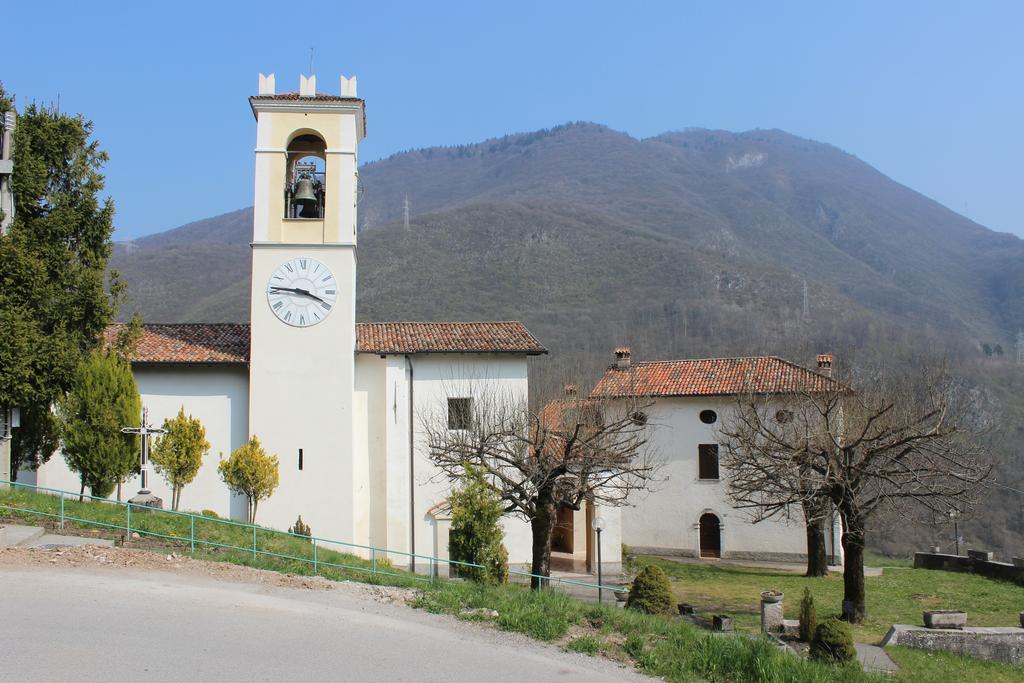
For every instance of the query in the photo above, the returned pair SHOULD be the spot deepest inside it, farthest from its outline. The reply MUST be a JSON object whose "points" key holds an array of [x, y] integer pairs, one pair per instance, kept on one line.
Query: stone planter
{"points": [[983, 555], [685, 609], [772, 596], [722, 622], [620, 596], [945, 618], [1018, 562]]}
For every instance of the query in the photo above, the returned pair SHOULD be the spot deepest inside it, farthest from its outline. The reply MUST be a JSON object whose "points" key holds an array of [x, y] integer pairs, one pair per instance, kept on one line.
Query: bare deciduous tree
{"points": [[901, 444], [567, 453]]}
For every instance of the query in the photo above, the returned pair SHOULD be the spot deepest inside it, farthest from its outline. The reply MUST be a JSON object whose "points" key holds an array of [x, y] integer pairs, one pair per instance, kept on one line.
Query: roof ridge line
{"points": [[691, 360]]}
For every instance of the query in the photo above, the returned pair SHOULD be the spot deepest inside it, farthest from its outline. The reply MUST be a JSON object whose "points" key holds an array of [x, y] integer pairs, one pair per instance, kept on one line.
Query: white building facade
{"points": [[688, 513], [342, 405]]}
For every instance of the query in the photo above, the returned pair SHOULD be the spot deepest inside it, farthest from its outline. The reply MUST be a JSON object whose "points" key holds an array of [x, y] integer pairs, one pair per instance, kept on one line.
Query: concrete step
{"points": [[16, 534], [58, 541], [36, 537]]}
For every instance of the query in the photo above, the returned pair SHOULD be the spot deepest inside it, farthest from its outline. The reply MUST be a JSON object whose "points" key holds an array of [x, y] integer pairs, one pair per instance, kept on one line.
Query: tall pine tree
{"points": [[55, 297]]}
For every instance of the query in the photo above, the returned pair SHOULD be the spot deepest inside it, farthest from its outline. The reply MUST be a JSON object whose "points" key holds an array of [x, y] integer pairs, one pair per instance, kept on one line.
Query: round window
{"points": [[708, 417], [639, 418]]}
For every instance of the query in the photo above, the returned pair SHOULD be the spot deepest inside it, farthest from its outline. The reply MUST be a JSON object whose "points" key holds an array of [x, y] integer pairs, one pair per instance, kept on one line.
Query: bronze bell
{"points": [[305, 196]]}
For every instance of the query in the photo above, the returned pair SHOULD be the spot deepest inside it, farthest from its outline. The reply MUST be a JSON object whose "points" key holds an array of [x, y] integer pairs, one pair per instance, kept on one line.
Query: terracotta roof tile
{"points": [[229, 342], [295, 97], [471, 337], [712, 377], [190, 343]]}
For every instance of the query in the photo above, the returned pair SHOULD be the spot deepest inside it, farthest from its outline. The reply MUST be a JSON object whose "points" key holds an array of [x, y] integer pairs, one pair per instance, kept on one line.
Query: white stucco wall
{"points": [[302, 396], [219, 397], [437, 378], [667, 518]]}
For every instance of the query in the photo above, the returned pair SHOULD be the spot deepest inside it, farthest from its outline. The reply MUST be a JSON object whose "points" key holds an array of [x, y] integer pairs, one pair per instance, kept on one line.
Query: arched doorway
{"points": [[710, 535]]}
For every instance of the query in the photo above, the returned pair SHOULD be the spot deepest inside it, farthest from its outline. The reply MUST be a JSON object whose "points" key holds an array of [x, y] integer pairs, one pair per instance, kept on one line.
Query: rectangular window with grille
{"points": [[707, 454], [460, 413]]}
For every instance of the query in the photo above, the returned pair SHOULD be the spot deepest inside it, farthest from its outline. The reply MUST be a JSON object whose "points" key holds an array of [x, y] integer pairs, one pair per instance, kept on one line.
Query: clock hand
{"points": [[311, 295], [296, 290]]}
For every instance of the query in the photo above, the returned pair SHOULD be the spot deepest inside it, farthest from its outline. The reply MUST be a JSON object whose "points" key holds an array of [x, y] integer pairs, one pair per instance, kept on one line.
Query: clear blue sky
{"points": [[928, 92]]}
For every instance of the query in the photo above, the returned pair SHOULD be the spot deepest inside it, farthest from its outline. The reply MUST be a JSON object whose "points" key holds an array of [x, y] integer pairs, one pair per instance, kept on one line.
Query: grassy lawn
{"points": [[878, 560], [215, 539], [941, 667], [898, 596]]}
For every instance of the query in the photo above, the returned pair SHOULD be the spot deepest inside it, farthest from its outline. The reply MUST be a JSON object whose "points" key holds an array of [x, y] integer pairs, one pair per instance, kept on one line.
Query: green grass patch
{"points": [[659, 646], [587, 645], [213, 539], [879, 560], [899, 596], [942, 667]]}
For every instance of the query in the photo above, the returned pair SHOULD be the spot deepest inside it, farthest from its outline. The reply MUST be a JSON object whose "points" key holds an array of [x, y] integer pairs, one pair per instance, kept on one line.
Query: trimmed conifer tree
{"points": [[250, 472], [476, 535], [178, 454], [651, 592], [103, 399], [808, 617]]}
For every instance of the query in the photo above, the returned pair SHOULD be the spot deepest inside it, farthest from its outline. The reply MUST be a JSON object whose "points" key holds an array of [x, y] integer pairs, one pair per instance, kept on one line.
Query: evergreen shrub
{"points": [[808, 617], [650, 592], [833, 642], [300, 528], [476, 535]]}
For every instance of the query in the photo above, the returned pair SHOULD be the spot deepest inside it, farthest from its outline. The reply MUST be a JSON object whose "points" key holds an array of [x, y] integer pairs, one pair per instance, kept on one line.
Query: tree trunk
{"points": [[854, 608], [175, 497], [814, 521], [81, 491], [542, 524], [252, 510]]}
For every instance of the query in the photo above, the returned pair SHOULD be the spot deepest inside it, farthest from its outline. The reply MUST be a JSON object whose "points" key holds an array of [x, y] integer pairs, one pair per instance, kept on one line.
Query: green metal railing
{"points": [[374, 566]]}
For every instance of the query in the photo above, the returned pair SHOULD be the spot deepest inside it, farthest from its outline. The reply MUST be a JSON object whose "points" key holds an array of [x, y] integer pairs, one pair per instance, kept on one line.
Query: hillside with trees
{"points": [[687, 244]]}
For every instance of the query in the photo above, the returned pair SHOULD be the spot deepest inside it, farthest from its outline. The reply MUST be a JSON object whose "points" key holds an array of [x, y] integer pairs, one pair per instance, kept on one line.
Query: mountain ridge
{"points": [[686, 244]]}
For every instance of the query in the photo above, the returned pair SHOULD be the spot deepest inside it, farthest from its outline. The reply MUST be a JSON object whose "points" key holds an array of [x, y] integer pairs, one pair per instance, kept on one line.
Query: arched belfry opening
{"points": [[305, 178]]}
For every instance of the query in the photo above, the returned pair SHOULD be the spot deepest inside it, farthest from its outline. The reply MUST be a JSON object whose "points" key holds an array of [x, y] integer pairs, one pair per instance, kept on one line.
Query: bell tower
{"points": [[302, 315]]}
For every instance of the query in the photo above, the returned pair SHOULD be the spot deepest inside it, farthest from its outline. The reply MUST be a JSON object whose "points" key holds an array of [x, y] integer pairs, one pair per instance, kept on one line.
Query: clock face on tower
{"points": [[302, 292]]}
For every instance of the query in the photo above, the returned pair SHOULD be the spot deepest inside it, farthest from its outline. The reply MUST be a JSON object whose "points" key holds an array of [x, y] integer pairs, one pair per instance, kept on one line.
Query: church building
{"points": [[340, 403]]}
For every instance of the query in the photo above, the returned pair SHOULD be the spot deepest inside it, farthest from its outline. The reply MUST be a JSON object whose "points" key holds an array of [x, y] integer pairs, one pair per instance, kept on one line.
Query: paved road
{"points": [[93, 624]]}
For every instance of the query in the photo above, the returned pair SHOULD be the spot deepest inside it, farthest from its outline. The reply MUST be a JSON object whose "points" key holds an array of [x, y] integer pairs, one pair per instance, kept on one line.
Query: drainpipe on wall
{"points": [[412, 472]]}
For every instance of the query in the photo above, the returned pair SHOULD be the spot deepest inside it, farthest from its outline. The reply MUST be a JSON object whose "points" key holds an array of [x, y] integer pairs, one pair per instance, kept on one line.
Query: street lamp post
{"points": [[598, 526], [954, 515]]}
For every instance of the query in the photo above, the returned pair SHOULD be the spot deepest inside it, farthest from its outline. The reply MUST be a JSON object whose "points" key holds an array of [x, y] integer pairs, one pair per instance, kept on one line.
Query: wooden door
{"points": [[710, 536], [562, 534]]}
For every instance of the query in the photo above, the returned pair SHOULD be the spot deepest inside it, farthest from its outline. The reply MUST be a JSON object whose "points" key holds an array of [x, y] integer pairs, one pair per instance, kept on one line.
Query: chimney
{"points": [[571, 390], [825, 364], [622, 355]]}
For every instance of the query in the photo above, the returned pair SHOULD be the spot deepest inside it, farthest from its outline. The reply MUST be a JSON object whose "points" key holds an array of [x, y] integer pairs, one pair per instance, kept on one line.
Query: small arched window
{"points": [[708, 417], [639, 418], [784, 416]]}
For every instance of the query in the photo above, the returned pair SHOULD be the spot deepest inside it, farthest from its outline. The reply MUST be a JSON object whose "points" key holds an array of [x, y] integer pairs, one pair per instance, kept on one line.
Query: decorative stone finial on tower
{"points": [[307, 86], [348, 87], [267, 85]]}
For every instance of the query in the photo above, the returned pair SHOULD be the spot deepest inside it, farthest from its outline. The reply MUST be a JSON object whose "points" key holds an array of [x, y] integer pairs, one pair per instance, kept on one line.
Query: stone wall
{"points": [[992, 644], [970, 565]]}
